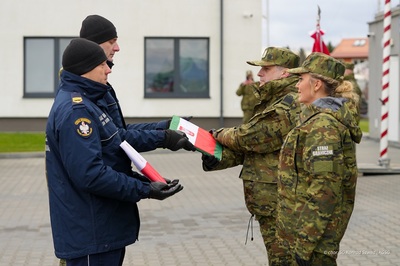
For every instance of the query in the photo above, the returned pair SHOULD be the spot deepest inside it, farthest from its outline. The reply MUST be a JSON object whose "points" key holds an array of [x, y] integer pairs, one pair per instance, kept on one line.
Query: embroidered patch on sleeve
{"points": [[83, 127], [323, 166]]}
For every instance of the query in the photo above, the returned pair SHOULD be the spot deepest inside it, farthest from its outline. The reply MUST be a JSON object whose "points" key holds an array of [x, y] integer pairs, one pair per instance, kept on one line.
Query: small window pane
{"points": [[176, 67], [39, 66], [159, 66], [193, 66]]}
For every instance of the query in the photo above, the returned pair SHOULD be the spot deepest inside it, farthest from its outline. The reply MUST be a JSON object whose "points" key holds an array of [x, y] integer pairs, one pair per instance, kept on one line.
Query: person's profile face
{"points": [[99, 73], [110, 48], [268, 73]]}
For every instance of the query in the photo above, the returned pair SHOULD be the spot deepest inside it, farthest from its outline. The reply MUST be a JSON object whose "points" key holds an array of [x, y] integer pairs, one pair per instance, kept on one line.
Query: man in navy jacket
{"points": [[92, 189], [142, 136]]}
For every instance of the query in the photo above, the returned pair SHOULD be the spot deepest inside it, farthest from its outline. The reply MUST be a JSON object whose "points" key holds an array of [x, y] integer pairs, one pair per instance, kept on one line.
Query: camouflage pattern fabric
{"points": [[249, 100], [321, 64], [317, 182], [261, 199], [256, 146], [277, 56], [63, 262], [262, 137]]}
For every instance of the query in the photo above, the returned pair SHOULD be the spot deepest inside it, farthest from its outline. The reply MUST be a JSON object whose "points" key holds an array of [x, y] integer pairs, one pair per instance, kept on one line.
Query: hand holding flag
{"points": [[200, 138]]}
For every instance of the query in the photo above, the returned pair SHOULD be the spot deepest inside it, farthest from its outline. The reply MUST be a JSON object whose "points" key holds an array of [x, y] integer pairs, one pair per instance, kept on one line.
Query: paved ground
{"points": [[205, 224]]}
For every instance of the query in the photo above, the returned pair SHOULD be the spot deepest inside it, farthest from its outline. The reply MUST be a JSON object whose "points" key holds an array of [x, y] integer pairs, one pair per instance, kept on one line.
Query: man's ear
{"points": [[285, 74]]}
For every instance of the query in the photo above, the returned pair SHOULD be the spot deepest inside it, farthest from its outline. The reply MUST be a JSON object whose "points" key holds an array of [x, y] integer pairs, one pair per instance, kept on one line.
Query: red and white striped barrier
{"points": [[383, 159]]}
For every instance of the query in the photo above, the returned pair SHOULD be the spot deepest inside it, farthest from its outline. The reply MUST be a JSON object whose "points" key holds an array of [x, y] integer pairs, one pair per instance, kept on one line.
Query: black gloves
{"points": [[302, 262], [161, 191], [209, 162], [175, 140]]}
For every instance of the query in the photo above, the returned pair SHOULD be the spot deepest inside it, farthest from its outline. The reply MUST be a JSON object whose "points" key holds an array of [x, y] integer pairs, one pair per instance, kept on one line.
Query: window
{"points": [[176, 67], [42, 62], [359, 42]]}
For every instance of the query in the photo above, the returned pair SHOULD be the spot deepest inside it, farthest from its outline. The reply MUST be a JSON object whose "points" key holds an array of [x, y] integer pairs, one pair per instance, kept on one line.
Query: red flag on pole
{"points": [[319, 45]]}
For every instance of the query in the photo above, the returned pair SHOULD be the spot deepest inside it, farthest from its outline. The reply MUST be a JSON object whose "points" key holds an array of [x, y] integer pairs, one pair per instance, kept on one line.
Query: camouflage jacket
{"points": [[256, 144], [249, 100], [317, 177]]}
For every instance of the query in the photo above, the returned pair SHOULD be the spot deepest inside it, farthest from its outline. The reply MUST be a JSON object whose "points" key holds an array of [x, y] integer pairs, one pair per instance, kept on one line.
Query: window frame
{"points": [[57, 54], [177, 80]]}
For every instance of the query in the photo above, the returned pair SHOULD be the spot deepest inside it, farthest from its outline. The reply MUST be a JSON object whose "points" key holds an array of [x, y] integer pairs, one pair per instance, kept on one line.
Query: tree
{"points": [[302, 55], [330, 47]]}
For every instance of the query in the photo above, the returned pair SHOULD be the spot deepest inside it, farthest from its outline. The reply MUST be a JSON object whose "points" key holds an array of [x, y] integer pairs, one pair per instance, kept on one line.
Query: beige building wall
{"points": [[136, 20]]}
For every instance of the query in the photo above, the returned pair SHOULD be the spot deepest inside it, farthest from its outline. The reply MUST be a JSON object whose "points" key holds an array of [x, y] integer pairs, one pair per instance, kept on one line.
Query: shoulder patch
{"points": [[288, 100], [83, 127], [76, 98]]}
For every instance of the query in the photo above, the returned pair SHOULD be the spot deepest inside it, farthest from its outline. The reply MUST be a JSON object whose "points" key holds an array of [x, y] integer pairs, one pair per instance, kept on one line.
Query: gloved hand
{"points": [[161, 191], [302, 262], [209, 161], [175, 140]]}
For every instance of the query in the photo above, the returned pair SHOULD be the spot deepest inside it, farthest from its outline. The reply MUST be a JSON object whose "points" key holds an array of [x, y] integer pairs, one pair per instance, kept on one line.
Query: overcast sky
{"points": [[291, 21]]}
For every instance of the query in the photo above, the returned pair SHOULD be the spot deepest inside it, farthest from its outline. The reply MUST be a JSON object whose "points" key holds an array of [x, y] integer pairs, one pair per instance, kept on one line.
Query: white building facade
{"points": [[178, 57], [375, 77]]}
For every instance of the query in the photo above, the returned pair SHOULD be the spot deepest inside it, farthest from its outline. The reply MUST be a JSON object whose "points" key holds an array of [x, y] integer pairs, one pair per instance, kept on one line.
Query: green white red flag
{"points": [[141, 164], [199, 137]]}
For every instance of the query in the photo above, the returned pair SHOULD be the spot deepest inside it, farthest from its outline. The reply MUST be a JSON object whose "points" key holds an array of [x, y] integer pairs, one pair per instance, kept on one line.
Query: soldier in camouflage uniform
{"points": [[249, 99], [256, 144], [317, 167]]}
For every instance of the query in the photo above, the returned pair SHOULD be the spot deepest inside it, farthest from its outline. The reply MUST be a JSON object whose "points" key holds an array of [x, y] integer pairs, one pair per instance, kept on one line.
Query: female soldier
{"points": [[317, 166]]}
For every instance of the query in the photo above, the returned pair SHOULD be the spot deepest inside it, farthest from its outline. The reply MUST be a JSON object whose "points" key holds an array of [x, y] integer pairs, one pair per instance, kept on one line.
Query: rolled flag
{"points": [[200, 138], [141, 164]]}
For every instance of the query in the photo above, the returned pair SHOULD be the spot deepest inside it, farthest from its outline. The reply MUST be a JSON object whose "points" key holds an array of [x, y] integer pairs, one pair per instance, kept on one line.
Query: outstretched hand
{"points": [[175, 140], [161, 191]]}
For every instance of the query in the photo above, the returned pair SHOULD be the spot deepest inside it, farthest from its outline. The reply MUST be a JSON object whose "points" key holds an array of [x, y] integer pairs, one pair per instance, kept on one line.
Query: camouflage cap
{"points": [[274, 56], [322, 64]]}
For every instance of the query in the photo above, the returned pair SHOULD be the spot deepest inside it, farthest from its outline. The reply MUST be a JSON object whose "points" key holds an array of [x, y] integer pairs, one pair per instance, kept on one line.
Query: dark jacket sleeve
{"points": [[86, 168], [145, 136]]}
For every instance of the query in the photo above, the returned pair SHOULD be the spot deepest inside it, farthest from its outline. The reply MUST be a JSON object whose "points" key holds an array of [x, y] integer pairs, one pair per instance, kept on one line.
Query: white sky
{"points": [[291, 21]]}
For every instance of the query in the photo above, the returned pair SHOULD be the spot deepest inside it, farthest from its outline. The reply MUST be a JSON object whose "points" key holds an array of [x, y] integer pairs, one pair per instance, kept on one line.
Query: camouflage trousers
{"points": [[63, 262], [261, 200]]}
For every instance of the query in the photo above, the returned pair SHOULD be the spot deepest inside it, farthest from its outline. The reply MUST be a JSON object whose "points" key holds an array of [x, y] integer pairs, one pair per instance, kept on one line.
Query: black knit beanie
{"points": [[97, 29], [82, 55]]}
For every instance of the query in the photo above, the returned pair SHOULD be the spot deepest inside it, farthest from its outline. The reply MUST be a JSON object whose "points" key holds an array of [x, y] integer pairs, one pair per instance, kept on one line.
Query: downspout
{"points": [[221, 115]]}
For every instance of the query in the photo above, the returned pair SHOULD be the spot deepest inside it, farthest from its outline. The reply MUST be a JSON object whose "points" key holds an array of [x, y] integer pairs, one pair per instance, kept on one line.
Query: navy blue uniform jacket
{"points": [[92, 189]]}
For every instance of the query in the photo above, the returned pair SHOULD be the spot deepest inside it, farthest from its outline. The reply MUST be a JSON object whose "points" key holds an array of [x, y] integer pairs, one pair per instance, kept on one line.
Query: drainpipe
{"points": [[221, 115]]}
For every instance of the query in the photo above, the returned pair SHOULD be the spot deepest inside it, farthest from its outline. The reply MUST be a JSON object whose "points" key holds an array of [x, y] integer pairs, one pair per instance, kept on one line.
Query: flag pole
{"points": [[319, 29], [319, 45], [384, 159]]}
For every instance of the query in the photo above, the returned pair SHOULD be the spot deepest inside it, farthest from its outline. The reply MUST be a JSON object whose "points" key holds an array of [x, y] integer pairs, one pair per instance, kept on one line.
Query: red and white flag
{"points": [[141, 164], [319, 45], [200, 138]]}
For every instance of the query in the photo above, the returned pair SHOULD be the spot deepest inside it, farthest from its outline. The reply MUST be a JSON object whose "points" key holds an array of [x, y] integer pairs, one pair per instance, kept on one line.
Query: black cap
{"points": [[82, 55], [97, 29]]}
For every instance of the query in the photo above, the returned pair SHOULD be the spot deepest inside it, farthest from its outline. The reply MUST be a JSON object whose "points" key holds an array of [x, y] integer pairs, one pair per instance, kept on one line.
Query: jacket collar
{"points": [[276, 89], [90, 89]]}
